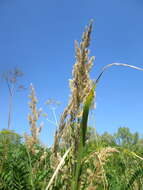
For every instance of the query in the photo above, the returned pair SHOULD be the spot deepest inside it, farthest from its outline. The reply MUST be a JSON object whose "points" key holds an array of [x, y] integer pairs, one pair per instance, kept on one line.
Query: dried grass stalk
{"points": [[116, 64], [57, 169], [33, 118]]}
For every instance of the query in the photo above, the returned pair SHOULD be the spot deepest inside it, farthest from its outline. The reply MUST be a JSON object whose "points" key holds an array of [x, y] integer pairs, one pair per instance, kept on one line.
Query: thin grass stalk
{"points": [[57, 169], [134, 154], [116, 64]]}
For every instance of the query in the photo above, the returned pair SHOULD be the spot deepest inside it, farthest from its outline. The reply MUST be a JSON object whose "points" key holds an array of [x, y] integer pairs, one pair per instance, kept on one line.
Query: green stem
{"points": [[82, 142], [30, 168]]}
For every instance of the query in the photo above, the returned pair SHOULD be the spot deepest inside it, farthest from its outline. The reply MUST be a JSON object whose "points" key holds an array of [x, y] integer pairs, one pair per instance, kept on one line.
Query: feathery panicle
{"points": [[80, 86], [95, 174], [33, 118]]}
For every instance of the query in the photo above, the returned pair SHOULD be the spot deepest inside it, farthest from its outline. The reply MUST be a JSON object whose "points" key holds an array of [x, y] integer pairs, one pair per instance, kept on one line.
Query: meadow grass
{"points": [[75, 161]]}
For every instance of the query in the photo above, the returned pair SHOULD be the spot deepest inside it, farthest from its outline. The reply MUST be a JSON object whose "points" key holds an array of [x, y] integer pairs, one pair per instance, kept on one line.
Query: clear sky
{"points": [[38, 37]]}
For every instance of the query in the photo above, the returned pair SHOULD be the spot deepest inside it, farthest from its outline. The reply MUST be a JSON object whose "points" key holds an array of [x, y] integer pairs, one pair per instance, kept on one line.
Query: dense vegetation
{"points": [[80, 158], [22, 169]]}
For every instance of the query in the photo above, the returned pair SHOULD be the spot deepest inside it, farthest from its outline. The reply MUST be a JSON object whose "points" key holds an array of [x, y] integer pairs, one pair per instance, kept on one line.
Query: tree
{"points": [[107, 139], [124, 137]]}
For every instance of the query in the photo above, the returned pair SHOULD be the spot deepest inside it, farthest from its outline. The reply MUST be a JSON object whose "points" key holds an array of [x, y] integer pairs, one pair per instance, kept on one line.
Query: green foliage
{"points": [[15, 170], [9, 137], [125, 138], [19, 168]]}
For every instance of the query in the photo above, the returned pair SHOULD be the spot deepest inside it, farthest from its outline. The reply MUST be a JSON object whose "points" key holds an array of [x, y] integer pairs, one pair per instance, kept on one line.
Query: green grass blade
{"points": [[82, 143]]}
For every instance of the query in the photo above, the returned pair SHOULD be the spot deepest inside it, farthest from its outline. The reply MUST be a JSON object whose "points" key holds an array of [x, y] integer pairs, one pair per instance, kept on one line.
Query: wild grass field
{"points": [[80, 158]]}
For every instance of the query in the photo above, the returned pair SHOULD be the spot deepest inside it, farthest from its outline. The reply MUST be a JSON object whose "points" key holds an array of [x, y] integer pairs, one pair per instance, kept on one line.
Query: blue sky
{"points": [[38, 37]]}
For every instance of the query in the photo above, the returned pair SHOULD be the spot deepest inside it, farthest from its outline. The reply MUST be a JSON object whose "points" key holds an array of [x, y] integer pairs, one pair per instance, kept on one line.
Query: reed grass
{"points": [[73, 124]]}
